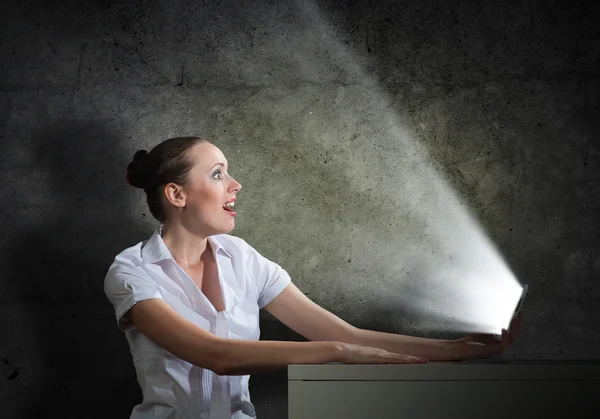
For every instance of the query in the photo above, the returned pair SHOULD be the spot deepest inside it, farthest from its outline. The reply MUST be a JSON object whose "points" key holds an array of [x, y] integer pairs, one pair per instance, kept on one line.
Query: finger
{"points": [[486, 350], [488, 339], [401, 360], [515, 330], [479, 337], [516, 323], [415, 359], [505, 338]]}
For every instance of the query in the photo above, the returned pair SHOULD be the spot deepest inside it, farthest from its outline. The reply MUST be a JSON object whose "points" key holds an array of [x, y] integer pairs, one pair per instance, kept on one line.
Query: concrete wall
{"points": [[369, 138]]}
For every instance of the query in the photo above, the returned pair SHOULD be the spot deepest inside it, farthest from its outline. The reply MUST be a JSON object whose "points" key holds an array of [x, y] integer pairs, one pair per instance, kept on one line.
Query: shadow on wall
{"points": [[77, 363]]}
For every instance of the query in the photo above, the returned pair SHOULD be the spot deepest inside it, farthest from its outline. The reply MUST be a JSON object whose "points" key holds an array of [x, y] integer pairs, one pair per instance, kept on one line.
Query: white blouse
{"points": [[174, 388]]}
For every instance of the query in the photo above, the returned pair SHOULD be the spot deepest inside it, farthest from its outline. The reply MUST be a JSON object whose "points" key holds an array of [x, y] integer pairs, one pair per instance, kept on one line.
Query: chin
{"points": [[228, 230]]}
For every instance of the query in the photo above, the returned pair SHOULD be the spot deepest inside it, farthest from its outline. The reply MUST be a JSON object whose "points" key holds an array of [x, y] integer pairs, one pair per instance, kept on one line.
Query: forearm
{"points": [[182, 338], [241, 357], [434, 349]]}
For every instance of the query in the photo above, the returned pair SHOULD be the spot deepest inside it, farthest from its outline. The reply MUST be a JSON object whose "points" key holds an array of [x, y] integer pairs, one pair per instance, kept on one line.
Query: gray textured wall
{"points": [[367, 138]]}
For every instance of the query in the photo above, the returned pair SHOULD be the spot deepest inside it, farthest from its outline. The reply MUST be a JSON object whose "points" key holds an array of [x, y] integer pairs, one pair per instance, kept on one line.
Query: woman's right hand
{"points": [[358, 354]]}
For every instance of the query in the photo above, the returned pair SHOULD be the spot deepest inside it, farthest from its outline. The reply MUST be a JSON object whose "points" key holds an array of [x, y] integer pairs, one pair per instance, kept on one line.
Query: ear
{"points": [[175, 195]]}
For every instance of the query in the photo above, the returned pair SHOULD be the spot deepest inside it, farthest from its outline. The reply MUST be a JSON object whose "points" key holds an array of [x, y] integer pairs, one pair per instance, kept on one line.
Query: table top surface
{"points": [[488, 369]]}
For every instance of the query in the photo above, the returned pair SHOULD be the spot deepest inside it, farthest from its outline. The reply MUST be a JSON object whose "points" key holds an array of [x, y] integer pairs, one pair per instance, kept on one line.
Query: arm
{"points": [[307, 318], [434, 349], [470, 347], [165, 327]]}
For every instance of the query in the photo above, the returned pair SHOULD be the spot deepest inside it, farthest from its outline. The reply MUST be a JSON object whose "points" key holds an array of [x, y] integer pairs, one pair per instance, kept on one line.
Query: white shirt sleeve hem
{"points": [[275, 290], [124, 323]]}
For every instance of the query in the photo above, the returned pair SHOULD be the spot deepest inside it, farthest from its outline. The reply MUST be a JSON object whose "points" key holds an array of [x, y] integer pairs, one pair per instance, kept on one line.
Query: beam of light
{"points": [[454, 270]]}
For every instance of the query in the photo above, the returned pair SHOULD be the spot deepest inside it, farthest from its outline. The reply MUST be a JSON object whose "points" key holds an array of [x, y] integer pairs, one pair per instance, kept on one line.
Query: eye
{"points": [[217, 172]]}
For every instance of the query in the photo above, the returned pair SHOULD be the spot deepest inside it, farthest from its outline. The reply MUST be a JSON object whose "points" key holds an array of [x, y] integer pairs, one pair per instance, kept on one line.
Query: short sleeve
{"points": [[270, 278], [124, 288]]}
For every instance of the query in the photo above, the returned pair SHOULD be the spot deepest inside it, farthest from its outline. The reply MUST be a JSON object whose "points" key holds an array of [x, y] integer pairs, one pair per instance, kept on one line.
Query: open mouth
{"points": [[228, 206]]}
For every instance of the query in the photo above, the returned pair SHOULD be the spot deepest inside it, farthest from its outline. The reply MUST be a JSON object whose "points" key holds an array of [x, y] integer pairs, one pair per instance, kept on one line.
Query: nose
{"points": [[236, 185]]}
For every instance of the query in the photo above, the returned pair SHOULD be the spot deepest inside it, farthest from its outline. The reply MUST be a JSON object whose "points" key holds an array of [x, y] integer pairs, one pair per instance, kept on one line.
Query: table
{"points": [[476, 388]]}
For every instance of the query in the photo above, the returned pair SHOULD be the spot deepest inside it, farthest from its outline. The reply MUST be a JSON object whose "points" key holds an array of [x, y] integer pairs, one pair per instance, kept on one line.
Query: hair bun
{"points": [[135, 170]]}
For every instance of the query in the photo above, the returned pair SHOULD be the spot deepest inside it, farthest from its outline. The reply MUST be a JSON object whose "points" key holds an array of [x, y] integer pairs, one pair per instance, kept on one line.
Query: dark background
{"points": [[503, 95]]}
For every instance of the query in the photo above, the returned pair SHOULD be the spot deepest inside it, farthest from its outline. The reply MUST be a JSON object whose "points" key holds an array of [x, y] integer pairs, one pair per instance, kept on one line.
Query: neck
{"points": [[187, 248]]}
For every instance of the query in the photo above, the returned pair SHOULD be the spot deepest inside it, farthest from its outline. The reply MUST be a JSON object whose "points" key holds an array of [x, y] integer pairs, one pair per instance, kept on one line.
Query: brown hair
{"points": [[167, 162]]}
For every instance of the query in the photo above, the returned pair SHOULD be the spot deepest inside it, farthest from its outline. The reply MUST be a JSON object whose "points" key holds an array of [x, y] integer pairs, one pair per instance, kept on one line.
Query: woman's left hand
{"points": [[484, 345]]}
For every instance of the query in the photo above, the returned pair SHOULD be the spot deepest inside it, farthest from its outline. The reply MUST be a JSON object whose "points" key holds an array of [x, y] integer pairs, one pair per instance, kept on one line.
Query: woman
{"points": [[188, 298]]}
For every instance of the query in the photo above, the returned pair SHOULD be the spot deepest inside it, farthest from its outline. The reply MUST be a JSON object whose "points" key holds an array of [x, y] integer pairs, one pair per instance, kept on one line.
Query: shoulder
{"points": [[127, 276], [127, 261]]}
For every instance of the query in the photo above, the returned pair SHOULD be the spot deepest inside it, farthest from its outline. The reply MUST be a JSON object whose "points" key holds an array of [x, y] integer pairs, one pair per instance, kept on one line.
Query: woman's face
{"points": [[208, 189]]}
